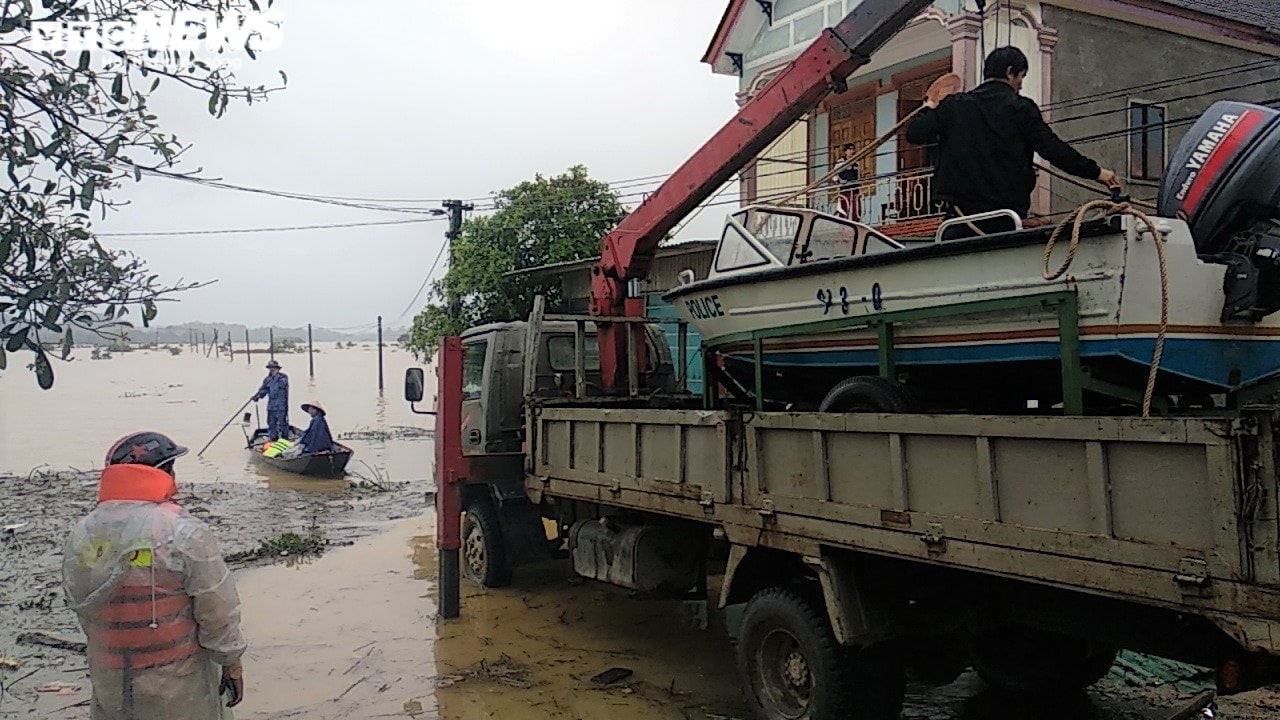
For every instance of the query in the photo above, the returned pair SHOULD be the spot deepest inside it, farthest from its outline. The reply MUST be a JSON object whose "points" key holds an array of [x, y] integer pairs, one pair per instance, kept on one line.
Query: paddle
{"points": [[224, 427]]}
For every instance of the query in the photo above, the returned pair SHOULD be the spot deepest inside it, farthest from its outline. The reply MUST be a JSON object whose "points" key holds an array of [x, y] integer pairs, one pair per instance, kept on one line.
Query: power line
{"points": [[247, 231]]}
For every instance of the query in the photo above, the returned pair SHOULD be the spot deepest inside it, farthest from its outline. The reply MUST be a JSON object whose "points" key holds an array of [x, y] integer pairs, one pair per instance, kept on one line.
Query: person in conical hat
{"points": [[275, 387], [317, 437]]}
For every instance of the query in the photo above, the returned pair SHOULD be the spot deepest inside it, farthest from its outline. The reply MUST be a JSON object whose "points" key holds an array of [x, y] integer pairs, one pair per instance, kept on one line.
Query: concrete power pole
{"points": [[455, 209]]}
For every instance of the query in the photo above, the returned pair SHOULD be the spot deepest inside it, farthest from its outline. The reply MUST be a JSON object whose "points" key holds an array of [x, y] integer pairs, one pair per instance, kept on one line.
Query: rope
{"points": [[1091, 188], [1076, 222]]}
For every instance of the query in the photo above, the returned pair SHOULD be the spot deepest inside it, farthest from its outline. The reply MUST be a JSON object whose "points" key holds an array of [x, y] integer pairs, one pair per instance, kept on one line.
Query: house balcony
{"points": [[899, 204]]}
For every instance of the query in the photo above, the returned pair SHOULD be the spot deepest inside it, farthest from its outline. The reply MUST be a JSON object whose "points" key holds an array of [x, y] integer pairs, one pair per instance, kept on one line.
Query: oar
{"points": [[224, 427]]}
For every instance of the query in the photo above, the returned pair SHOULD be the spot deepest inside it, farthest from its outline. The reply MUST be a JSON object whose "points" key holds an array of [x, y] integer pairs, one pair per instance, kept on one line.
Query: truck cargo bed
{"points": [[1175, 513]]}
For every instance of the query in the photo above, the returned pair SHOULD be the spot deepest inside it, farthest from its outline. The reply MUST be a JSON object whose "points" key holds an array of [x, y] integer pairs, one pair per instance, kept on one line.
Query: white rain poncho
{"points": [[131, 543]]}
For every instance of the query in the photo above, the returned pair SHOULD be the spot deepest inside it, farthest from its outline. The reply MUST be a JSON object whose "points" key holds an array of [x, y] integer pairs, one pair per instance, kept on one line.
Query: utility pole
{"points": [[380, 355], [455, 208]]}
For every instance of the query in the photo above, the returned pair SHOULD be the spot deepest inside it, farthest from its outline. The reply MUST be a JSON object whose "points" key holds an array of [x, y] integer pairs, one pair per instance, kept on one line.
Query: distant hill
{"points": [[180, 334]]}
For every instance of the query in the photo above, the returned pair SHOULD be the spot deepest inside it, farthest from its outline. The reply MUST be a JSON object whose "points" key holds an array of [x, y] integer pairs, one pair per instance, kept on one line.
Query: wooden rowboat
{"points": [[318, 465]]}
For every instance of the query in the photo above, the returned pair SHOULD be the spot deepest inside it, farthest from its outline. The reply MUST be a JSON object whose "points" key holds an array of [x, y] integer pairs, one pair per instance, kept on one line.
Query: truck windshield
{"points": [[473, 370], [560, 352]]}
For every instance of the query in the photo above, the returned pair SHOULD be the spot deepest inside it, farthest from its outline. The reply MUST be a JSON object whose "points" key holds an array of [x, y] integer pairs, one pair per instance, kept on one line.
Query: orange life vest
{"points": [[149, 619]]}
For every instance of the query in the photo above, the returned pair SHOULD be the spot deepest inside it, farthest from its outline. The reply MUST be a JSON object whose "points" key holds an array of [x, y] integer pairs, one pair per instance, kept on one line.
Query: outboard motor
{"points": [[1224, 181]]}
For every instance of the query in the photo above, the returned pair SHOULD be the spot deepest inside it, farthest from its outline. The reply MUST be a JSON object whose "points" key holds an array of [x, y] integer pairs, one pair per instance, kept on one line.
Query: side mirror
{"points": [[414, 383]]}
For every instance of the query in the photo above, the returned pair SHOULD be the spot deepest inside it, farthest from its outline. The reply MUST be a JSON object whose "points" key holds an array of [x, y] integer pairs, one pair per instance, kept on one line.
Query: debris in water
{"points": [[505, 671], [412, 707], [1141, 670], [8, 663], [612, 675], [397, 432], [59, 688], [47, 640], [16, 526]]}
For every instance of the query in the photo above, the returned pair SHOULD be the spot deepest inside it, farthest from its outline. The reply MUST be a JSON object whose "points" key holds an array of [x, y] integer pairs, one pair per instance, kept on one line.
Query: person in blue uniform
{"points": [[317, 437], [275, 387]]}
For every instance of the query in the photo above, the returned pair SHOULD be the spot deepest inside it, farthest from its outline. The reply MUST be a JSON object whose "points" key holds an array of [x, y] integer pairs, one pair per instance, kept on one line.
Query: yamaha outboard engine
{"points": [[1224, 181]]}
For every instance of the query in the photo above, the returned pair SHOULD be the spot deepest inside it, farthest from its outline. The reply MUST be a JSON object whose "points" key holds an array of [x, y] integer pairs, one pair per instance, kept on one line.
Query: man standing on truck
{"points": [[986, 139]]}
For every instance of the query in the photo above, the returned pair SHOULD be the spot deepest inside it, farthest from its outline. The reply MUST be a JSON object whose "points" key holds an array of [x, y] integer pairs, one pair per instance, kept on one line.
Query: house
{"points": [[1121, 79], [670, 260]]}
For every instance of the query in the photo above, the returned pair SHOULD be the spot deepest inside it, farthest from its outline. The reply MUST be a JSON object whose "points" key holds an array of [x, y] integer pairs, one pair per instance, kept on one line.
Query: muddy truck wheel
{"points": [[792, 667], [1026, 662], [484, 556]]}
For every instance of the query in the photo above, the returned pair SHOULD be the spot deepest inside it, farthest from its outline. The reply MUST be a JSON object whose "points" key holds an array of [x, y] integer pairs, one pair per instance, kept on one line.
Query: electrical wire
{"points": [[239, 231]]}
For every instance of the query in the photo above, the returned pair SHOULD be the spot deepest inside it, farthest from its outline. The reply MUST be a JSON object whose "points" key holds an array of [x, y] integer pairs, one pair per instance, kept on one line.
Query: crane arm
{"points": [[628, 251]]}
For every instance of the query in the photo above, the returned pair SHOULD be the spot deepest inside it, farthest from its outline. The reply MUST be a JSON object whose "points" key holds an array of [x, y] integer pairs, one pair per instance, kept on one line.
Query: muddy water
{"points": [[189, 397], [62, 435]]}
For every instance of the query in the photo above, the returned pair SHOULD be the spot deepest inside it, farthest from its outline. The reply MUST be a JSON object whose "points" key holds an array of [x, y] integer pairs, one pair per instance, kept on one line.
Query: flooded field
{"points": [[353, 633]]}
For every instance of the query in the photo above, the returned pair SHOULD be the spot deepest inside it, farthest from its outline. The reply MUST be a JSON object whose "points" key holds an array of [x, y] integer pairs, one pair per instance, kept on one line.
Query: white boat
{"points": [[810, 288]]}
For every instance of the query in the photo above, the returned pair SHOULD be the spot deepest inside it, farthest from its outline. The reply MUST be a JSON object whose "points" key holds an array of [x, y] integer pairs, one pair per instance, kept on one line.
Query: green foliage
{"points": [[538, 222], [76, 126]]}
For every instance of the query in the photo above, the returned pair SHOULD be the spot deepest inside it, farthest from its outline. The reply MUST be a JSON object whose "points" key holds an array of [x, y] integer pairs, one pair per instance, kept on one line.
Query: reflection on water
{"points": [[190, 396]]}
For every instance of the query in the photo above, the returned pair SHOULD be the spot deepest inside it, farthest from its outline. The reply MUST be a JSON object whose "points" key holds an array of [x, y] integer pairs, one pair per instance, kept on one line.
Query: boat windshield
{"points": [[829, 240], [774, 229]]}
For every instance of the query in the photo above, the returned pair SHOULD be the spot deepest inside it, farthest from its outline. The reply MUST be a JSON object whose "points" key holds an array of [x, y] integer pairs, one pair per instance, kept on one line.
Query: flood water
{"points": [[190, 396]]}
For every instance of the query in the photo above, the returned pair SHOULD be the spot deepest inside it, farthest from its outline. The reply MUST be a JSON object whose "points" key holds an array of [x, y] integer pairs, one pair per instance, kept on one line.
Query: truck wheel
{"points": [[1022, 661], [869, 393], [792, 667], [484, 558]]}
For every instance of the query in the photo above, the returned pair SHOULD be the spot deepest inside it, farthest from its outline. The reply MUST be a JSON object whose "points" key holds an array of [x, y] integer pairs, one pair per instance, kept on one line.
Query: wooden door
{"points": [[853, 121]]}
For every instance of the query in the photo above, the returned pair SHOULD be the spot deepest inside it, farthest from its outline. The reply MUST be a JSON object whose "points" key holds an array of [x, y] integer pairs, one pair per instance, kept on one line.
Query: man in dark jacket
{"points": [[986, 139]]}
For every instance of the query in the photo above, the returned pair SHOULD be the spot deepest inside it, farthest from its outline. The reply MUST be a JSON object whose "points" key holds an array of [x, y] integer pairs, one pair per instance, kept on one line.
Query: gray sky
{"points": [[420, 99]]}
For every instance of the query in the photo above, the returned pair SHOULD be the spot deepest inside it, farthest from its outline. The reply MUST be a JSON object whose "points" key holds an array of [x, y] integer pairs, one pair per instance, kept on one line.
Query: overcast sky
{"points": [[415, 99]]}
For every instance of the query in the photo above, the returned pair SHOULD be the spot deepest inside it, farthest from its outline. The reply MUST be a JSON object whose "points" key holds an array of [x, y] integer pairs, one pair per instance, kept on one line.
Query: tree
{"points": [[76, 125], [538, 222]]}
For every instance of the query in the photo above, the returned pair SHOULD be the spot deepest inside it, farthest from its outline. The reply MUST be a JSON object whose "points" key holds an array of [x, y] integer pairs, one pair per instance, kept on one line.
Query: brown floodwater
{"points": [[190, 396]]}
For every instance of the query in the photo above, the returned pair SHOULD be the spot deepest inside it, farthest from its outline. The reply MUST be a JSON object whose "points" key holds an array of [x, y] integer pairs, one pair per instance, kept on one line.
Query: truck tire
{"points": [[869, 393], [793, 668], [1026, 662], [484, 557]]}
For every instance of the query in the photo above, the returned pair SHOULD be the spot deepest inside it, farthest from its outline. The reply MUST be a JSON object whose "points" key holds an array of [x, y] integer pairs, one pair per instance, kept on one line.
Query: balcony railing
{"points": [[880, 200]]}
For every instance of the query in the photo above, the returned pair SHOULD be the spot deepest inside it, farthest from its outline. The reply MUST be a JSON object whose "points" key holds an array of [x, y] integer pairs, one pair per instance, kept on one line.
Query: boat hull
{"points": [[1115, 277], [330, 465]]}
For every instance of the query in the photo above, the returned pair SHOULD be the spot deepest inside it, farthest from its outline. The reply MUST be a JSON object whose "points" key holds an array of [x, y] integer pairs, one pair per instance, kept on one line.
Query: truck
{"points": [[864, 547]]}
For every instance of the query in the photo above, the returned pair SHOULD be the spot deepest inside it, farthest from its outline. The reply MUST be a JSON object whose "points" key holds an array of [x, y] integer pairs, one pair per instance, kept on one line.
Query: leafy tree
{"points": [[538, 222], [75, 126]]}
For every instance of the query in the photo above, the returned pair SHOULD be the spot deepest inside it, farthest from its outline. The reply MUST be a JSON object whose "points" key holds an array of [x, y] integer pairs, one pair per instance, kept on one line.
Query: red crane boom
{"points": [[628, 251]]}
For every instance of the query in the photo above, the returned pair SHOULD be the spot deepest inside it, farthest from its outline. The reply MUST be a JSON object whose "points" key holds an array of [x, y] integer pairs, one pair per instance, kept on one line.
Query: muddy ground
{"points": [[46, 504], [354, 633]]}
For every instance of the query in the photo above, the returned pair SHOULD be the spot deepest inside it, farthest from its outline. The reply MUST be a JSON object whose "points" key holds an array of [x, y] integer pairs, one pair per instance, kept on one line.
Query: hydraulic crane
{"points": [[628, 250]]}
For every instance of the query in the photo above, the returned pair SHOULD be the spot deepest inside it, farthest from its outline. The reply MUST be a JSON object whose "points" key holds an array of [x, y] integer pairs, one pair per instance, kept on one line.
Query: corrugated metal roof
{"points": [[1263, 14]]}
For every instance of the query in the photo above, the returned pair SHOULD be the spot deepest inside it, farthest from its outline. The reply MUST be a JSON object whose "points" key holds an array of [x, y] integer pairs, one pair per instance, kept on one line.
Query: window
{"points": [[473, 370], [560, 352], [736, 253], [829, 240], [775, 231], [1146, 141], [878, 244]]}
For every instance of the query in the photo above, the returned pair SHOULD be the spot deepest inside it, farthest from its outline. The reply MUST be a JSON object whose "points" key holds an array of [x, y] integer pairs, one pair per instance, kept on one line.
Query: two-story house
{"points": [[1121, 79]]}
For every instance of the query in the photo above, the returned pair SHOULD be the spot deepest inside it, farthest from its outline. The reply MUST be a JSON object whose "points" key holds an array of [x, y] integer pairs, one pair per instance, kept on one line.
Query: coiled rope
{"points": [[1076, 222]]}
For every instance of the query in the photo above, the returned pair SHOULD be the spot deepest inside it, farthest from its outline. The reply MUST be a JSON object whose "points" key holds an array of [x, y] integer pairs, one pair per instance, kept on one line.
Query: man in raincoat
{"points": [[275, 387], [153, 595]]}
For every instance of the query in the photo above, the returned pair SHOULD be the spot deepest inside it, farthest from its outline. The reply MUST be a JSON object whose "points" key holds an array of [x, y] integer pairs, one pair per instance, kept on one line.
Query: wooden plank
{"points": [[705, 418], [532, 334]]}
